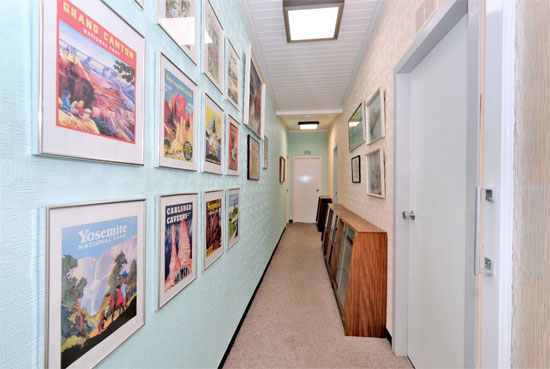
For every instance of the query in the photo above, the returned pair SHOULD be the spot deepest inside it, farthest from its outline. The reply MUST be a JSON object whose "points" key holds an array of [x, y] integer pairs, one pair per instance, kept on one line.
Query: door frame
{"points": [[294, 179], [445, 18]]}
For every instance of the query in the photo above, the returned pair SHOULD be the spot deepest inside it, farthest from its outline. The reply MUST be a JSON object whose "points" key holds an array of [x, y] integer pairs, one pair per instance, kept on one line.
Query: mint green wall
{"points": [[194, 329], [316, 142]]}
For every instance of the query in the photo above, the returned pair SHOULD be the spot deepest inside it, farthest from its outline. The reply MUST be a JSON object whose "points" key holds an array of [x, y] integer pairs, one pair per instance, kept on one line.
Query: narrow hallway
{"points": [[294, 320]]}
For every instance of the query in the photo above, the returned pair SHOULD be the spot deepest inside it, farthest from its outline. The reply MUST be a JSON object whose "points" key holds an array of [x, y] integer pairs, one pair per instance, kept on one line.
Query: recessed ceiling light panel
{"points": [[312, 20], [308, 126]]}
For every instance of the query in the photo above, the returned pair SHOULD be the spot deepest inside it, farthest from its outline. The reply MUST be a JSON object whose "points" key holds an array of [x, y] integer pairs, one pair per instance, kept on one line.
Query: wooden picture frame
{"points": [[282, 169], [95, 268], [81, 112], [213, 47], [178, 219], [233, 74], [254, 95], [253, 151], [376, 182], [375, 113], [214, 226], [356, 128], [213, 129], [181, 25], [356, 169]]}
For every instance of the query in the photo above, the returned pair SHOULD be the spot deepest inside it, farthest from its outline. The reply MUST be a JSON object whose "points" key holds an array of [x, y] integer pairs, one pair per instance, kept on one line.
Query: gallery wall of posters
{"points": [[213, 136], [233, 76], [253, 146], [213, 226], [232, 146], [177, 244], [213, 47], [233, 216], [178, 18], [92, 81], [95, 280], [254, 95], [177, 131]]}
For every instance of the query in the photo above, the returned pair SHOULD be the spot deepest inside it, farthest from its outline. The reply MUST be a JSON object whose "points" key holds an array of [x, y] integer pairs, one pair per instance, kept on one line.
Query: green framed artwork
{"points": [[356, 128]]}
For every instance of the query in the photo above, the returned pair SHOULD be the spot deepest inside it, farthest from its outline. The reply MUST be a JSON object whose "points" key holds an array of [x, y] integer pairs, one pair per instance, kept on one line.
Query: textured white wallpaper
{"points": [[531, 275], [392, 36]]}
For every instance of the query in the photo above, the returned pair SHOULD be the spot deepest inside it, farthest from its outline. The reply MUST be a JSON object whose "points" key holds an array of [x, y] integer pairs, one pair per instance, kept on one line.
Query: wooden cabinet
{"points": [[356, 259]]}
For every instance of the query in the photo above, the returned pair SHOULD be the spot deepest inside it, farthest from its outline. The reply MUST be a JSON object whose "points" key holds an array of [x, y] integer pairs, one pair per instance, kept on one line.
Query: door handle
{"points": [[487, 263], [409, 215]]}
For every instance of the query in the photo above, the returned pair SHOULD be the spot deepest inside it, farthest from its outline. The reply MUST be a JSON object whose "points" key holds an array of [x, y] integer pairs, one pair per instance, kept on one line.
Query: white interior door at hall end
{"points": [[307, 188], [437, 195]]}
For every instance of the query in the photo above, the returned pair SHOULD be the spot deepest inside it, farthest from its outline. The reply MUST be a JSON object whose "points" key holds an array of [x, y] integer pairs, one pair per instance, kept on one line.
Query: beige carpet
{"points": [[294, 321]]}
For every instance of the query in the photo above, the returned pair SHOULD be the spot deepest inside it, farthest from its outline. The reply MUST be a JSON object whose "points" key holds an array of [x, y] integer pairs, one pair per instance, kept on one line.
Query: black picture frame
{"points": [[356, 177]]}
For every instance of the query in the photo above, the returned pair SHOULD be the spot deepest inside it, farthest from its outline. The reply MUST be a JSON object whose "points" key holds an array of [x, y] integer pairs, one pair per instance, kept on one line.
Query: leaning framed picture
{"points": [[254, 95], [266, 152], [376, 119], [91, 83], [177, 244], [356, 128], [253, 149], [213, 136], [232, 146], [95, 280], [282, 165], [233, 76], [356, 169], [213, 47], [177, 133], [213, 226], [375, 173], [233, 215], [178, 18]]}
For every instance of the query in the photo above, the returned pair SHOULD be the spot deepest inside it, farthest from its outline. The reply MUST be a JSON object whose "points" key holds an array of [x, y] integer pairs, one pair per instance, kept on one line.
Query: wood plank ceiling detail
{"points": [[309, 76]]}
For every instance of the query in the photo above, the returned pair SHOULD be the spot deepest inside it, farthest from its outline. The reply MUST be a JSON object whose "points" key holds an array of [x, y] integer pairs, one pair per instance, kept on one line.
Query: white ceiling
{"points": [[309, 77]]}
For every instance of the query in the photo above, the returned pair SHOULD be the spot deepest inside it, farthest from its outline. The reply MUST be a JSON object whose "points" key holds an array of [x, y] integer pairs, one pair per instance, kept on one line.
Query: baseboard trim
{"points": [[230, 346]]}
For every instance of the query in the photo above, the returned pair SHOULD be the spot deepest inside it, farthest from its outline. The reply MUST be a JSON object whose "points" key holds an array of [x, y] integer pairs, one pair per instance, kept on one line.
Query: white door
{"points": [[437, 195], [307, 187]]}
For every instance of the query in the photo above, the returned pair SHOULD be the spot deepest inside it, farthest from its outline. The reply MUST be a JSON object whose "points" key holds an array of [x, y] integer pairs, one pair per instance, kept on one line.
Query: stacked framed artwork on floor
{"points": [[92, 107]]}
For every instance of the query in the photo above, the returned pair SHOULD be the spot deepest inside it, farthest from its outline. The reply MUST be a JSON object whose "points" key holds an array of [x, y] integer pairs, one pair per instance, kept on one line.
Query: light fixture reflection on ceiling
{"points": [[312, 20], [309, 126]]}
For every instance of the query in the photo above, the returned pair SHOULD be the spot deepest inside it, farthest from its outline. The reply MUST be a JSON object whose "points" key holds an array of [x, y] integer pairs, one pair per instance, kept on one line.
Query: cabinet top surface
{"points": [[353, 220]]}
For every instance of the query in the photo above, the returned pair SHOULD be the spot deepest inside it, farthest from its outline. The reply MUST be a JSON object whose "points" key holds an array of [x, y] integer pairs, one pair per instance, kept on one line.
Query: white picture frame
{"points": [[233, 146], [82, 241], [213, 135], [233, 71], [76, 118], [233, 216], [178, 218], [182, 29], [254, 82], [375, 116], [376, 181], [214, 207], [213, 58]]}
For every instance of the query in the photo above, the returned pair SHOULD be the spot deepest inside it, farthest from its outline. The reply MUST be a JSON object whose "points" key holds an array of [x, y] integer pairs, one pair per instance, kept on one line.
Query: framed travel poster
{"points": [[91, 80], [356, 169], [178, 18], [375, 173], [177, 245], [232, 147], [233, 73], [376, 120], [213, 226], [212, 54], [254, 96], [177, 133], [282, 165], [253, 159], [233, 209], [266, 151], [356, 128], [95, 284], [213, 136]]}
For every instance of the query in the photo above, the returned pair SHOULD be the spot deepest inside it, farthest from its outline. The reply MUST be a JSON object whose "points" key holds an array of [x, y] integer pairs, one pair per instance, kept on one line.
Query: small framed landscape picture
{"points": [[282, 165], [213, 47], [356, 128], [92, 90], [178, 18], [95, 280], [375, 173], [376, 120], [233, 215], [177, 116], [254, 95], [232, 146], [253, 159], [213, 226], [356, 169], [177, 244], [233, 74], [266, 152], [213, 136]]}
